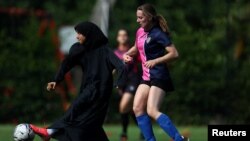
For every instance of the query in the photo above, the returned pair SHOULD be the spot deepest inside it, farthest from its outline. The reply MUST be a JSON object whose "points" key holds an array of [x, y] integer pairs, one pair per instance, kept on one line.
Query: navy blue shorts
{"points": [[165, 85], [132, 84], [130, 88]]}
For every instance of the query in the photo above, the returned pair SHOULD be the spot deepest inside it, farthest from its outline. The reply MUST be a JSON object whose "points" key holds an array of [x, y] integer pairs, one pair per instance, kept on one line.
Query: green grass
{"points": [[198, 133]]}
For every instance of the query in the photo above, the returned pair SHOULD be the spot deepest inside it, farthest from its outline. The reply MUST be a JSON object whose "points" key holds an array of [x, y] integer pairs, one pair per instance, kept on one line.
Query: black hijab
{"points": [[94, 36]]}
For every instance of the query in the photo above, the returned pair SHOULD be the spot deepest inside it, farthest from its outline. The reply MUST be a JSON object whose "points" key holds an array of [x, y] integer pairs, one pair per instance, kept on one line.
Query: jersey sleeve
{"points": [[120, 68], [163, 39], [69, 62]]}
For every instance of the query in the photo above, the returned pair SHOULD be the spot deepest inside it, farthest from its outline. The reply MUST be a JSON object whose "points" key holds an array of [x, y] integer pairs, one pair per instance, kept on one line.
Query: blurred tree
{"points": [[26, 65]]}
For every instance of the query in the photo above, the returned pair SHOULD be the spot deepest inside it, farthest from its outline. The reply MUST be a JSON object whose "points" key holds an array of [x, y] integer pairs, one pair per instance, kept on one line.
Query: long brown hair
{"points": [[157, 19]]}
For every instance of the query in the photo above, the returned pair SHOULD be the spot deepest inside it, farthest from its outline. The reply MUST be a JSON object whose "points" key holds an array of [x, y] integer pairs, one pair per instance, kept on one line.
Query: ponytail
{"points": [[163, 23]]}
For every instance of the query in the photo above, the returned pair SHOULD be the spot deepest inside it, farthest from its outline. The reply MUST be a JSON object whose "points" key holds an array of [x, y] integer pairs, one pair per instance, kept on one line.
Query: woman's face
{"points": [[142, 19], [81, 38], [122, 37]]}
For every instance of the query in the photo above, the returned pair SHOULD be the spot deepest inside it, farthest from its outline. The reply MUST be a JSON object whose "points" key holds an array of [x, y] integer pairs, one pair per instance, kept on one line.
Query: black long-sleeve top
{"points": [[97, 64]]}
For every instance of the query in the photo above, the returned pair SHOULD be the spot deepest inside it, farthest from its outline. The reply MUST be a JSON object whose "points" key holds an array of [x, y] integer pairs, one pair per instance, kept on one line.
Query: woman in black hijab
{"points": [[85, 117]]}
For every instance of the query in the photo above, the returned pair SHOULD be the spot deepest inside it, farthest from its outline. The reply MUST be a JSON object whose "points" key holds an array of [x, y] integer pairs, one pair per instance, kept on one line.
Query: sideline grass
{"points": [[198, 133]]}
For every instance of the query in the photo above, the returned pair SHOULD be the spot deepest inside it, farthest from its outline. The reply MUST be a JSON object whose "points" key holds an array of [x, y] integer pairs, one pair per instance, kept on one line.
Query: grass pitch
{"points": [[196, 133]]}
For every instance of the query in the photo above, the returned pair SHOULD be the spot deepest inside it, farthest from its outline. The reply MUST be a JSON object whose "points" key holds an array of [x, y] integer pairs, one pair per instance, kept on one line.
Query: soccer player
{"points": [[84, 118], [156, 50], [128, 92]]}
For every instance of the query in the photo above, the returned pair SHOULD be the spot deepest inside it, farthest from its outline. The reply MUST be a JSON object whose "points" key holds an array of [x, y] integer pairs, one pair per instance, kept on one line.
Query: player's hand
{"points": [[150, 64], [51, 86], [127, 58]]}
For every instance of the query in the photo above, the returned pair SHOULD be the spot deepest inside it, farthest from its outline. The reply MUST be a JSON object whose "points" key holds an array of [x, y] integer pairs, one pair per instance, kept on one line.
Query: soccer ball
{"points": [[23, 132]]}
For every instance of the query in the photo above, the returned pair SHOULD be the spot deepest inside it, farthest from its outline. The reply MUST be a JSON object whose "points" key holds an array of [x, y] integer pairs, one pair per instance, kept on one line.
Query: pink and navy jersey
{"points": [[151, 45]]}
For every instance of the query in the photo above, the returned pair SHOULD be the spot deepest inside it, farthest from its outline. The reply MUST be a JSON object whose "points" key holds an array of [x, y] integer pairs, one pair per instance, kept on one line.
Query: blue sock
{"points": [[144, 123], [167, 125]]}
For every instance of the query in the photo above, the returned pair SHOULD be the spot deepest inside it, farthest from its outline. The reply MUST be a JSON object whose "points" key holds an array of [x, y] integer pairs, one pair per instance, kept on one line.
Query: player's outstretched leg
{"points": [[167, 125], [42, 132]]}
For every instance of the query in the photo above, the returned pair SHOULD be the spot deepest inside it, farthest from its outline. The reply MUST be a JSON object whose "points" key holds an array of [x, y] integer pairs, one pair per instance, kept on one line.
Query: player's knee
{"points": [[138, 110], [152, 112]]}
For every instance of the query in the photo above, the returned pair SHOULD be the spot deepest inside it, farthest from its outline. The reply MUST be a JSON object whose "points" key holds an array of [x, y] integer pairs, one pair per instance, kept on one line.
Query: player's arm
{"points": [[128, 57], [171, 55], [67, 64]]}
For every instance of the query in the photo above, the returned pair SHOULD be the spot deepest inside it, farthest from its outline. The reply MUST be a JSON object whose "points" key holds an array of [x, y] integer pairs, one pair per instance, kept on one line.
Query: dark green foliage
{"points": [[27, 63]]}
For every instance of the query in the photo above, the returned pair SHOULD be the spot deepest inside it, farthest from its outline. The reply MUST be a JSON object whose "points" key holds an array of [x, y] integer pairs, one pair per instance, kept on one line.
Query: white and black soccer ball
{"points": [[23, 132]]}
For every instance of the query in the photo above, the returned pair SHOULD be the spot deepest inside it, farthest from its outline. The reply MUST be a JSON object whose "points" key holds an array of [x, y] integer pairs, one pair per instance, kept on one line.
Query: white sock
{"points": [[51, 131]]}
